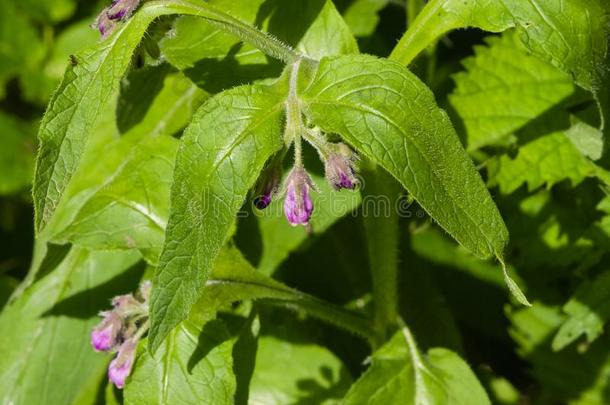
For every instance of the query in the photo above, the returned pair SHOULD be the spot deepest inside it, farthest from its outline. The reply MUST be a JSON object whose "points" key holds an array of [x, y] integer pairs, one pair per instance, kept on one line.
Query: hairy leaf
{"points": [[193, 366], [131, 210], [88, 84], [220, 157], [400, 373], [391, 117]]}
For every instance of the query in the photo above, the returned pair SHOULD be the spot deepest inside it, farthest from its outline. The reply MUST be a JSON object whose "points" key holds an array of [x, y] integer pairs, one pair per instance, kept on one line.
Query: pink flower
{"points": [[120, 367], [105, 336], [340, 170], [298, 206]]}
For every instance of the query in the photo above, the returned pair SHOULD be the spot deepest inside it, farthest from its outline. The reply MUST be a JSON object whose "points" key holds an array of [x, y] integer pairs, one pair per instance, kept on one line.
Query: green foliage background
{"points": [[523, 85]]}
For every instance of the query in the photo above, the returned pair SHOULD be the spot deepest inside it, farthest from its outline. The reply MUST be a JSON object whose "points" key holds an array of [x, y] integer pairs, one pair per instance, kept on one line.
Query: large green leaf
{"points": [[131, 210], [391, 117], [400, 373], [88, 84], [315, 375], [193, 366], [45, 354], [571, 34], [504, 87], [220, 157]]}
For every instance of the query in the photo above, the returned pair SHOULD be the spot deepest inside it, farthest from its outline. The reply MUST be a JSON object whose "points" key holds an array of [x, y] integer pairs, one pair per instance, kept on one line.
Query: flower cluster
{"points": [[340, 169], [118, 11], [120, 330]]}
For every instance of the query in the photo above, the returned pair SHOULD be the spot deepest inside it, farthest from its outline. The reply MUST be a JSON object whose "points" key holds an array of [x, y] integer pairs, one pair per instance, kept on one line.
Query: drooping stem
{"points": [[246, 32]]}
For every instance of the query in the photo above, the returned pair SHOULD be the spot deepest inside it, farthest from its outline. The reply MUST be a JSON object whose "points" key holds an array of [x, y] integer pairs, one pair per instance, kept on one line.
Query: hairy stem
{"points": [[382, 239]]}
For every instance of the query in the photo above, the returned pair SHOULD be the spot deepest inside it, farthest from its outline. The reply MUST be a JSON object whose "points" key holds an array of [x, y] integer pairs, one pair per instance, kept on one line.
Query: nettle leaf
{"points": [[400, 373], [560, 381], [46, 352], [571, 34], [220, 157], [131, 210], [280, 238], [504, 87], [193, 366], [546, 160], [391, 117], [88, 85], [16, 154], [588, 311], [315, 374]]}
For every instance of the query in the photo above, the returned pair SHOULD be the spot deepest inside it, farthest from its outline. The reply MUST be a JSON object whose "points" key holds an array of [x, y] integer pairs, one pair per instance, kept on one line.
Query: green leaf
{"points": [[391, 117], [572, 35], [16, 154], [588, 311], [220, 157], [560, 381], [315, 375], [504, 87], [546, 160], [193, 366], [362, 16], [131, 210], [400, 373], [21, 45], [280, 238], [88, 85], [46, 357]]}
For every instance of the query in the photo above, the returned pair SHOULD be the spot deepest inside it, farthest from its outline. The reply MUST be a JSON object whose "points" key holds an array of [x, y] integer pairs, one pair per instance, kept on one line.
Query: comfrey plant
{"points": [[120, 331], [170, 141]]}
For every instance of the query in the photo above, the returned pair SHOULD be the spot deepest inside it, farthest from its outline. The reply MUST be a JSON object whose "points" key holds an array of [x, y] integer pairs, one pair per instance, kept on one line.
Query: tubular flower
{"points": [[268, 186], [105, 336], [298, 206], [120, 330], [340, 168], [119, 10]]}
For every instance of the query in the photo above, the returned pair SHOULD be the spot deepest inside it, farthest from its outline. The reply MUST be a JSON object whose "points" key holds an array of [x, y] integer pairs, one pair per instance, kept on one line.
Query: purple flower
{"points": [[298, 205], [120, 10], [120, 367], [340, 169], [105, 336]]}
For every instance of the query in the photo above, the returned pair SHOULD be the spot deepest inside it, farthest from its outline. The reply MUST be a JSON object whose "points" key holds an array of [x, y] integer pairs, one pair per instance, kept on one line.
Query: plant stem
{"points": [[278, 294], [294, 121], [244, 31], [382, 234]]}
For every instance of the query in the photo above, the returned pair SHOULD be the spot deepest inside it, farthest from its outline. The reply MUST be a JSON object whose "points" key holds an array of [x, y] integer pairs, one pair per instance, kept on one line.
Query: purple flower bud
{"points": [[122, 9], [104, 24], [126, 302], [267, 186], [340, 170], [120, 367], [105, 336], [298, 205]]}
